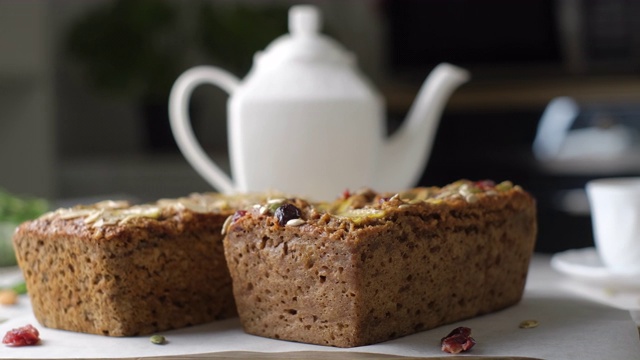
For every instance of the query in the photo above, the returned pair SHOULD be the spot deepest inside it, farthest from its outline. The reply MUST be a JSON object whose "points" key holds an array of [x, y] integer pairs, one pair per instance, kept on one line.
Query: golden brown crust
{"points": [[393, 267], [121, 270]]}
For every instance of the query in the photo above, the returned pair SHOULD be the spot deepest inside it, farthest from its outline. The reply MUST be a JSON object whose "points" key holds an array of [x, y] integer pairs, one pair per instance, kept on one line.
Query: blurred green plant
{"points": [[129, 47], [13, 211], [17, 209], [138, 48], [231, 34]]}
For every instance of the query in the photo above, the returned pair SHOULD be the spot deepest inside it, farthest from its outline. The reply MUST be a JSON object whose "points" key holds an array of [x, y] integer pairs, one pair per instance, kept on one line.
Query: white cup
{"points": [[615, 213]]}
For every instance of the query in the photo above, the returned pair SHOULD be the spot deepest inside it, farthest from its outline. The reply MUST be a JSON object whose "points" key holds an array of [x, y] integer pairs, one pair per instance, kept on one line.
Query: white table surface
{"points": [[573, 324]]}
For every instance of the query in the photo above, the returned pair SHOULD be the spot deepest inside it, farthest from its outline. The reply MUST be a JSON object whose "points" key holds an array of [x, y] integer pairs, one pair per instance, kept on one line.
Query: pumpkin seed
{"points": [[158, 339], [528, 324]]}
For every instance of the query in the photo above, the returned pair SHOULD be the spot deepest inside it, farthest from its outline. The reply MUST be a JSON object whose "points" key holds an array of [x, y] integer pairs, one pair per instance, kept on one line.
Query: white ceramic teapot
{"points": [[305, 121]]}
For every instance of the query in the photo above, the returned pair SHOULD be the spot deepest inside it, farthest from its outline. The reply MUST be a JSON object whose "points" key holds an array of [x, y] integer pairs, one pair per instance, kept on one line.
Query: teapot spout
{"points": [[405, 154]]}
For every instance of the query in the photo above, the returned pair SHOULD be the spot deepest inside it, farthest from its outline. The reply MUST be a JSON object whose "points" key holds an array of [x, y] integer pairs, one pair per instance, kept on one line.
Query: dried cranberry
{"points": [[458, 340], [238, 214], [346, 194], [23, 336], [287, 212], [485, 184]]}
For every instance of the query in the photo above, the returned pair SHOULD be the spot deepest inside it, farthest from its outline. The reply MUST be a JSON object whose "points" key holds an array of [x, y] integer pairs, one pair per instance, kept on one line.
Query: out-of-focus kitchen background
{"points": [[554, 98]]}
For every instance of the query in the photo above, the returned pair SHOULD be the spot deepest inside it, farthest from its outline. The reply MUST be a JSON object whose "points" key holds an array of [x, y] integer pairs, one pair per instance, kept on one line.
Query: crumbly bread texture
{"points": [[121, 270], [373, 267]]}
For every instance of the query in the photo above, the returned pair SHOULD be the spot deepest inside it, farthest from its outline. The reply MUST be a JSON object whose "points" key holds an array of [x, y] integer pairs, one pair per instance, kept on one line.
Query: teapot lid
{"points": [[304, 42]]}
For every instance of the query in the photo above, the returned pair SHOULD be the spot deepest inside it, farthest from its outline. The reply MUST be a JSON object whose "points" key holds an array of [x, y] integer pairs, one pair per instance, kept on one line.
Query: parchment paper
{"points": [[570, 327]]}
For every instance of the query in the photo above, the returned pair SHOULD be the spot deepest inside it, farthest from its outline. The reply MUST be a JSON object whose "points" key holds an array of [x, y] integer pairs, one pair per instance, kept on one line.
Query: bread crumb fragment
{"points": [[8, 297]]}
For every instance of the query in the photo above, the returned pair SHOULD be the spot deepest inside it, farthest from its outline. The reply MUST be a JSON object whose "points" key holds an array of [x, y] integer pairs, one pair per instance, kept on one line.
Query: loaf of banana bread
{"points": [[121, 270], [372, 267]]}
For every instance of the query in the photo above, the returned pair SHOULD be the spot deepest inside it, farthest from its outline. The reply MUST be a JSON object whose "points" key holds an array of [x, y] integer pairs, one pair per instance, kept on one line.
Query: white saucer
{"points": [[585, 265]]}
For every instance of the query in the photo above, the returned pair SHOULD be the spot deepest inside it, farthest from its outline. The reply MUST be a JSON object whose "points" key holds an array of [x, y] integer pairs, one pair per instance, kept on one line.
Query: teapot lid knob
{"points": [[304, 19], [303, 43]]}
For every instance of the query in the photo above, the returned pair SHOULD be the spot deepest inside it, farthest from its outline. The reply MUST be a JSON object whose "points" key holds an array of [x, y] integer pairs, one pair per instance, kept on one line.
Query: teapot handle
{"points": [[181, 123]]}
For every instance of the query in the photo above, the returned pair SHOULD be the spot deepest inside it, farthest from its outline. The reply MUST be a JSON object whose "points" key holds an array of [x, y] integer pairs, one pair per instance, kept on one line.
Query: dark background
{"points": [[84, 88]]}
